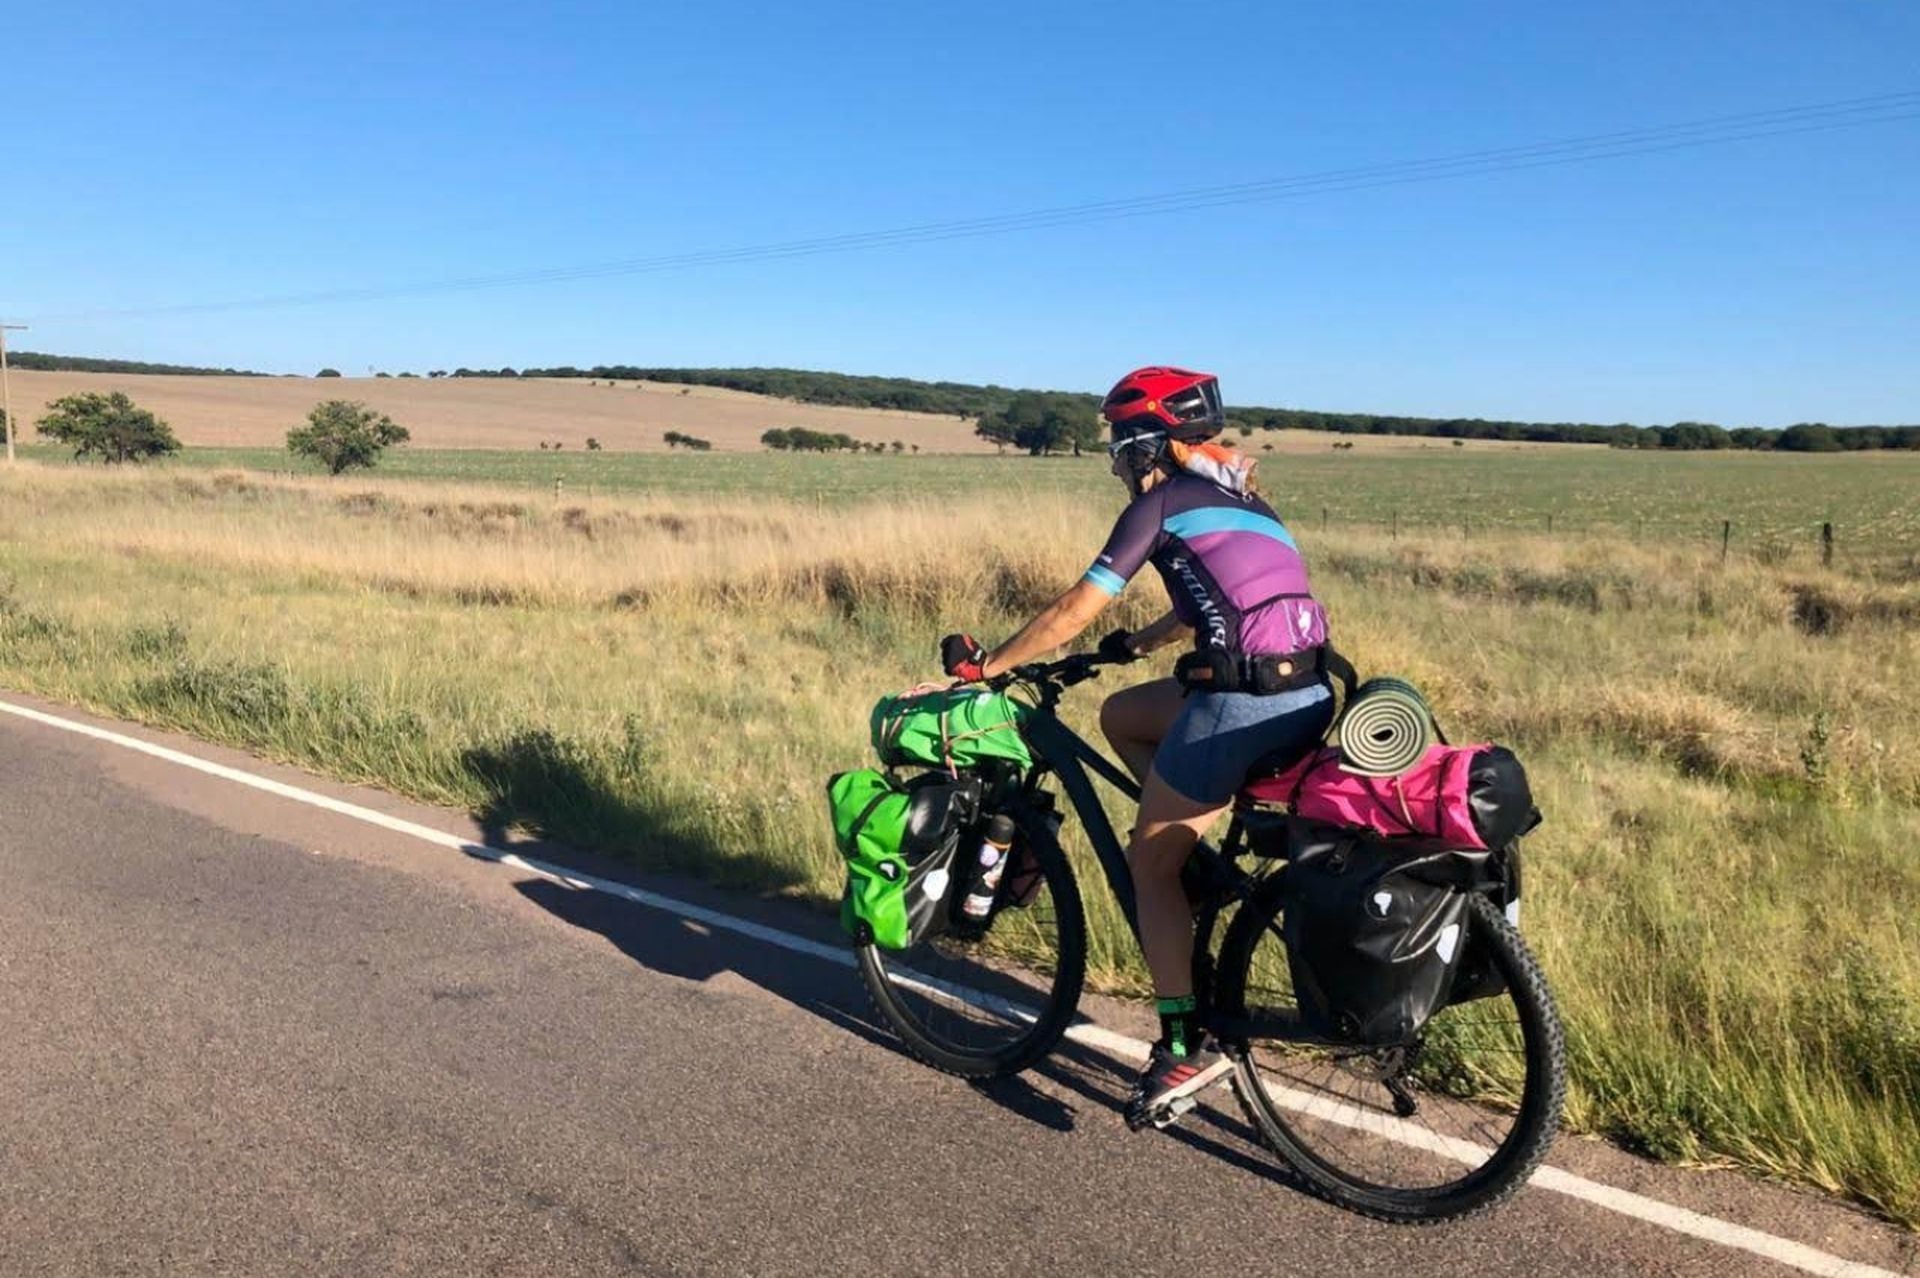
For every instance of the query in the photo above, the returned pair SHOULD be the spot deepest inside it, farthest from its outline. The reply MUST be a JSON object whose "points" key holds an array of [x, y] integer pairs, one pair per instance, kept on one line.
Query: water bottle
{"points": [[992, 863]]}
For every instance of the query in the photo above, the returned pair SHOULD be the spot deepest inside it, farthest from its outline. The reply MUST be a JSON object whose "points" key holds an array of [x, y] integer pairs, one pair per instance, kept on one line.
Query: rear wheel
{"points": [[988, 1005], [1446, 1125]]}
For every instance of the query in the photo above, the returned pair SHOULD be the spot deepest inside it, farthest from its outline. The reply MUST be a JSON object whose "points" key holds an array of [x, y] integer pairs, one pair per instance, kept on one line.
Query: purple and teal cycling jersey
{"points": [[1231, 567]]}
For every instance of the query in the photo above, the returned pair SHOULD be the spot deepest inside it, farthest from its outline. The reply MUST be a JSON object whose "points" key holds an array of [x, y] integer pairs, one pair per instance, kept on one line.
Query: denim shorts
{"points": [[1221, 736]]}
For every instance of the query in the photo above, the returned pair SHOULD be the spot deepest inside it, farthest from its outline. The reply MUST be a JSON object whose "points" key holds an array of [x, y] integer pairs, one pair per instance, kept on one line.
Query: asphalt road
{"points": [[242, 1036]]}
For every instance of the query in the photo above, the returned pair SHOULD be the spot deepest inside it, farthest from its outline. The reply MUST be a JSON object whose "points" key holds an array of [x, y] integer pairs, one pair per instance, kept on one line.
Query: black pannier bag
{"points": [[1375, 929], [939, 808]]}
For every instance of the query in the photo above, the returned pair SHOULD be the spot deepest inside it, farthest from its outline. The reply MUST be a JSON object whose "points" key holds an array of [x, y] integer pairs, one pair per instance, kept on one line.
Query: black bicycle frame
{"points": [[1065, 754]]}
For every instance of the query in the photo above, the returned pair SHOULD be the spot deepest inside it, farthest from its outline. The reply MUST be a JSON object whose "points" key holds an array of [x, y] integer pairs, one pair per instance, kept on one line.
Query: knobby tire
{"points": [[1054, 1014], [1513, 1161]]}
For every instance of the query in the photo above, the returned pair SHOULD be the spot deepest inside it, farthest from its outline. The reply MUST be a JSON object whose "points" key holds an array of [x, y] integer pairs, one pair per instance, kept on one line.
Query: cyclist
{"points": [[1252, 693]]}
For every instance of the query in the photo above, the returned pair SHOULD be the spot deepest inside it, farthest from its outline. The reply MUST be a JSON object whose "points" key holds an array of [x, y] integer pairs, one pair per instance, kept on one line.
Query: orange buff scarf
{"points": [[1215, 463]]}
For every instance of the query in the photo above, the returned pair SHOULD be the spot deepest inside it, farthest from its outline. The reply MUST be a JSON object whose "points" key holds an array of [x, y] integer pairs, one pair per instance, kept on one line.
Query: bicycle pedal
{"points": [[1174, 1111]]}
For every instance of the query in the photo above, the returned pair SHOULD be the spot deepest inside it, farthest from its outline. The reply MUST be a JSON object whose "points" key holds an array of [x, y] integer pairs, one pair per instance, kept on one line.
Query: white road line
{"points": [[1651, 1210]]}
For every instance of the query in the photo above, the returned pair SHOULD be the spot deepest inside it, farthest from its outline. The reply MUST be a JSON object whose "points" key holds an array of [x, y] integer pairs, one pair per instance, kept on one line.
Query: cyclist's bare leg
{"points": [[1136, 719], [1170, 824]]}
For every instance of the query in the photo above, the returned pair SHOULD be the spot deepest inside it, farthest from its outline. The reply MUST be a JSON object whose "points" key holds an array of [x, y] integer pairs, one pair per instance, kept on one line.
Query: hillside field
{"points": [[498, 413]]}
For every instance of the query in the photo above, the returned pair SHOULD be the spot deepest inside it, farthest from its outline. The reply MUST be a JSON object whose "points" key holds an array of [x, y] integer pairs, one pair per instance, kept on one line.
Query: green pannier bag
{"points": [[899, 843], [949, 728]]}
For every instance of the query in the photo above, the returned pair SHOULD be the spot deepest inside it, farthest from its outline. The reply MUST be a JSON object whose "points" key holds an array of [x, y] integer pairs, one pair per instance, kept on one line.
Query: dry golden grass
{"points": [[242, 412]]}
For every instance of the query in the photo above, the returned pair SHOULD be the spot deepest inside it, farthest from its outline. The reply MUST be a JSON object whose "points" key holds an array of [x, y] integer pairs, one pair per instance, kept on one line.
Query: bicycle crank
{"points": [[1164, 1116]]}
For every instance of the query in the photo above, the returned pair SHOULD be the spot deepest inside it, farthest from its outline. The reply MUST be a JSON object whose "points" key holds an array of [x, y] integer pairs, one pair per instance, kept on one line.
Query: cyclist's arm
{"points": [[1159, 634], [1060, 622], [1135, 537]]}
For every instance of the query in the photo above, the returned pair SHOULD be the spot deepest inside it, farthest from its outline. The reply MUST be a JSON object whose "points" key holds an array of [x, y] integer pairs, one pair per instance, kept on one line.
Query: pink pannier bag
{"points": [[1473, 797]]}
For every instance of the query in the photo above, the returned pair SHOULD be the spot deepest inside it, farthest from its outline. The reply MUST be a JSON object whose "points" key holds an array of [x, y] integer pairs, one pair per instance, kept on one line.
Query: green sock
{"points": [[1177, 1030]]}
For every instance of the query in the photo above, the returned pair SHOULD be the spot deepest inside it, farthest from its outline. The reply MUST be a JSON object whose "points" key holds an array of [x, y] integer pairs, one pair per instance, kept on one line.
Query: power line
{"points": [[1714, 131]]}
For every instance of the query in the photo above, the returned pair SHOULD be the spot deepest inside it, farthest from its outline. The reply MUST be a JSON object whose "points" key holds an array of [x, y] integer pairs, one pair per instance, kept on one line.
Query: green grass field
{"points": [[1725, 894], [1776, 502]]}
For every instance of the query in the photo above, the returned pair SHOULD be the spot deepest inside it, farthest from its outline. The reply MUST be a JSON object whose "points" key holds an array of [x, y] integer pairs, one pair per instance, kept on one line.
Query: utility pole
{"points": [[6, 392]]}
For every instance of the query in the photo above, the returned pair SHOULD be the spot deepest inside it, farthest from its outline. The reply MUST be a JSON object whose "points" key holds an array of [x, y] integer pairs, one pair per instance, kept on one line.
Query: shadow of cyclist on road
{"points": [[564, 795]]}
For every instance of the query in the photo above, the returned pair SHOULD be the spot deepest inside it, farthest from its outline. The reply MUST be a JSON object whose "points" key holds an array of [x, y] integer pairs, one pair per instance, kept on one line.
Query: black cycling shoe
{"points": [[1167, 1087]]}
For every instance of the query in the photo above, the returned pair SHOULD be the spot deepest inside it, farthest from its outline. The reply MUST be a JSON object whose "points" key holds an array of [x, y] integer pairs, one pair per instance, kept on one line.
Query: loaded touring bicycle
{"points": [[1394, 1041]]}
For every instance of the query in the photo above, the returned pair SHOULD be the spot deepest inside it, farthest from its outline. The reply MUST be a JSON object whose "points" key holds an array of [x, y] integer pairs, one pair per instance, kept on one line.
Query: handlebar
{"points": [[1054, 675]]}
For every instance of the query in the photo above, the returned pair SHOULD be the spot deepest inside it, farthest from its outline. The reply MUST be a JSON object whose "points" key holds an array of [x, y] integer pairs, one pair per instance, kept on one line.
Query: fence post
{"points": [[1396, 525], [1726, 538], [1826, 544], [1549, 525], [1323, 519], [556, 488]]}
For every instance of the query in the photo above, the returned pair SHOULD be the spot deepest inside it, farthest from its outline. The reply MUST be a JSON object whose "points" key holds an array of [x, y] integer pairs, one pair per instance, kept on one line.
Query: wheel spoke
{"points": [[990, 1002], [1479, 1114]]}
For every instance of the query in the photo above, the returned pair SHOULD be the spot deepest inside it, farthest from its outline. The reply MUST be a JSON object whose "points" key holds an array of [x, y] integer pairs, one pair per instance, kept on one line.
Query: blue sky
{"points": [[161, 155]]}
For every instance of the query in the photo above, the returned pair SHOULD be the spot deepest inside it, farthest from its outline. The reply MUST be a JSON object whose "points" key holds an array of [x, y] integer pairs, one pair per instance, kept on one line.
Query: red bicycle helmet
{"points": [[1178, 402]]}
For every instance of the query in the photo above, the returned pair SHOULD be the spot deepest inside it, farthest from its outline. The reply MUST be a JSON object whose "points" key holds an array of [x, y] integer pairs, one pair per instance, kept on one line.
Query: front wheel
{"points": [[1437, 1128], [990, 1005]]}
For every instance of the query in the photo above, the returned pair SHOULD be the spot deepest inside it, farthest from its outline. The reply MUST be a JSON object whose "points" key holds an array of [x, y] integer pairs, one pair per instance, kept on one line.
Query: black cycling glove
{"points": [[1118, 646]]}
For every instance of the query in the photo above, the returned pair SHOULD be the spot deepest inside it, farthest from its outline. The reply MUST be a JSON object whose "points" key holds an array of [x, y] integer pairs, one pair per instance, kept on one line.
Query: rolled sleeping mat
{"points": [[1385, 729]]}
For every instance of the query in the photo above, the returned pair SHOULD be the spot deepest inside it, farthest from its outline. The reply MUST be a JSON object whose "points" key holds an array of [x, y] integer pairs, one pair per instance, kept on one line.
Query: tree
{"points": [[328, 372], [593, 445], [1041, 423], [1694, 435], [1808, 437], [343, 434], [110, 425]]}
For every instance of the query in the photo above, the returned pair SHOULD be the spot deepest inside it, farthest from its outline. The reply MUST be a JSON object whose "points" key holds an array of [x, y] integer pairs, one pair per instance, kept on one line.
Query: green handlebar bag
{"points": [[900, 844], [949, 728]]}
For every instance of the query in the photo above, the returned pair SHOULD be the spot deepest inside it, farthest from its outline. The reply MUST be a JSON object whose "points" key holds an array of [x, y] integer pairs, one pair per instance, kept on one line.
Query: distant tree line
{"points": [[1060, 420], [679, 439], [41, 363], [798, 439], [1806, 437], [1000, 412], [841, 390]]}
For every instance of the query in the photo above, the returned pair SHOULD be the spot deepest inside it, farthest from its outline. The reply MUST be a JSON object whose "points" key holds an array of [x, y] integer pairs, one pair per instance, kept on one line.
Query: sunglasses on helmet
{"points": [[1142, 439]]}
